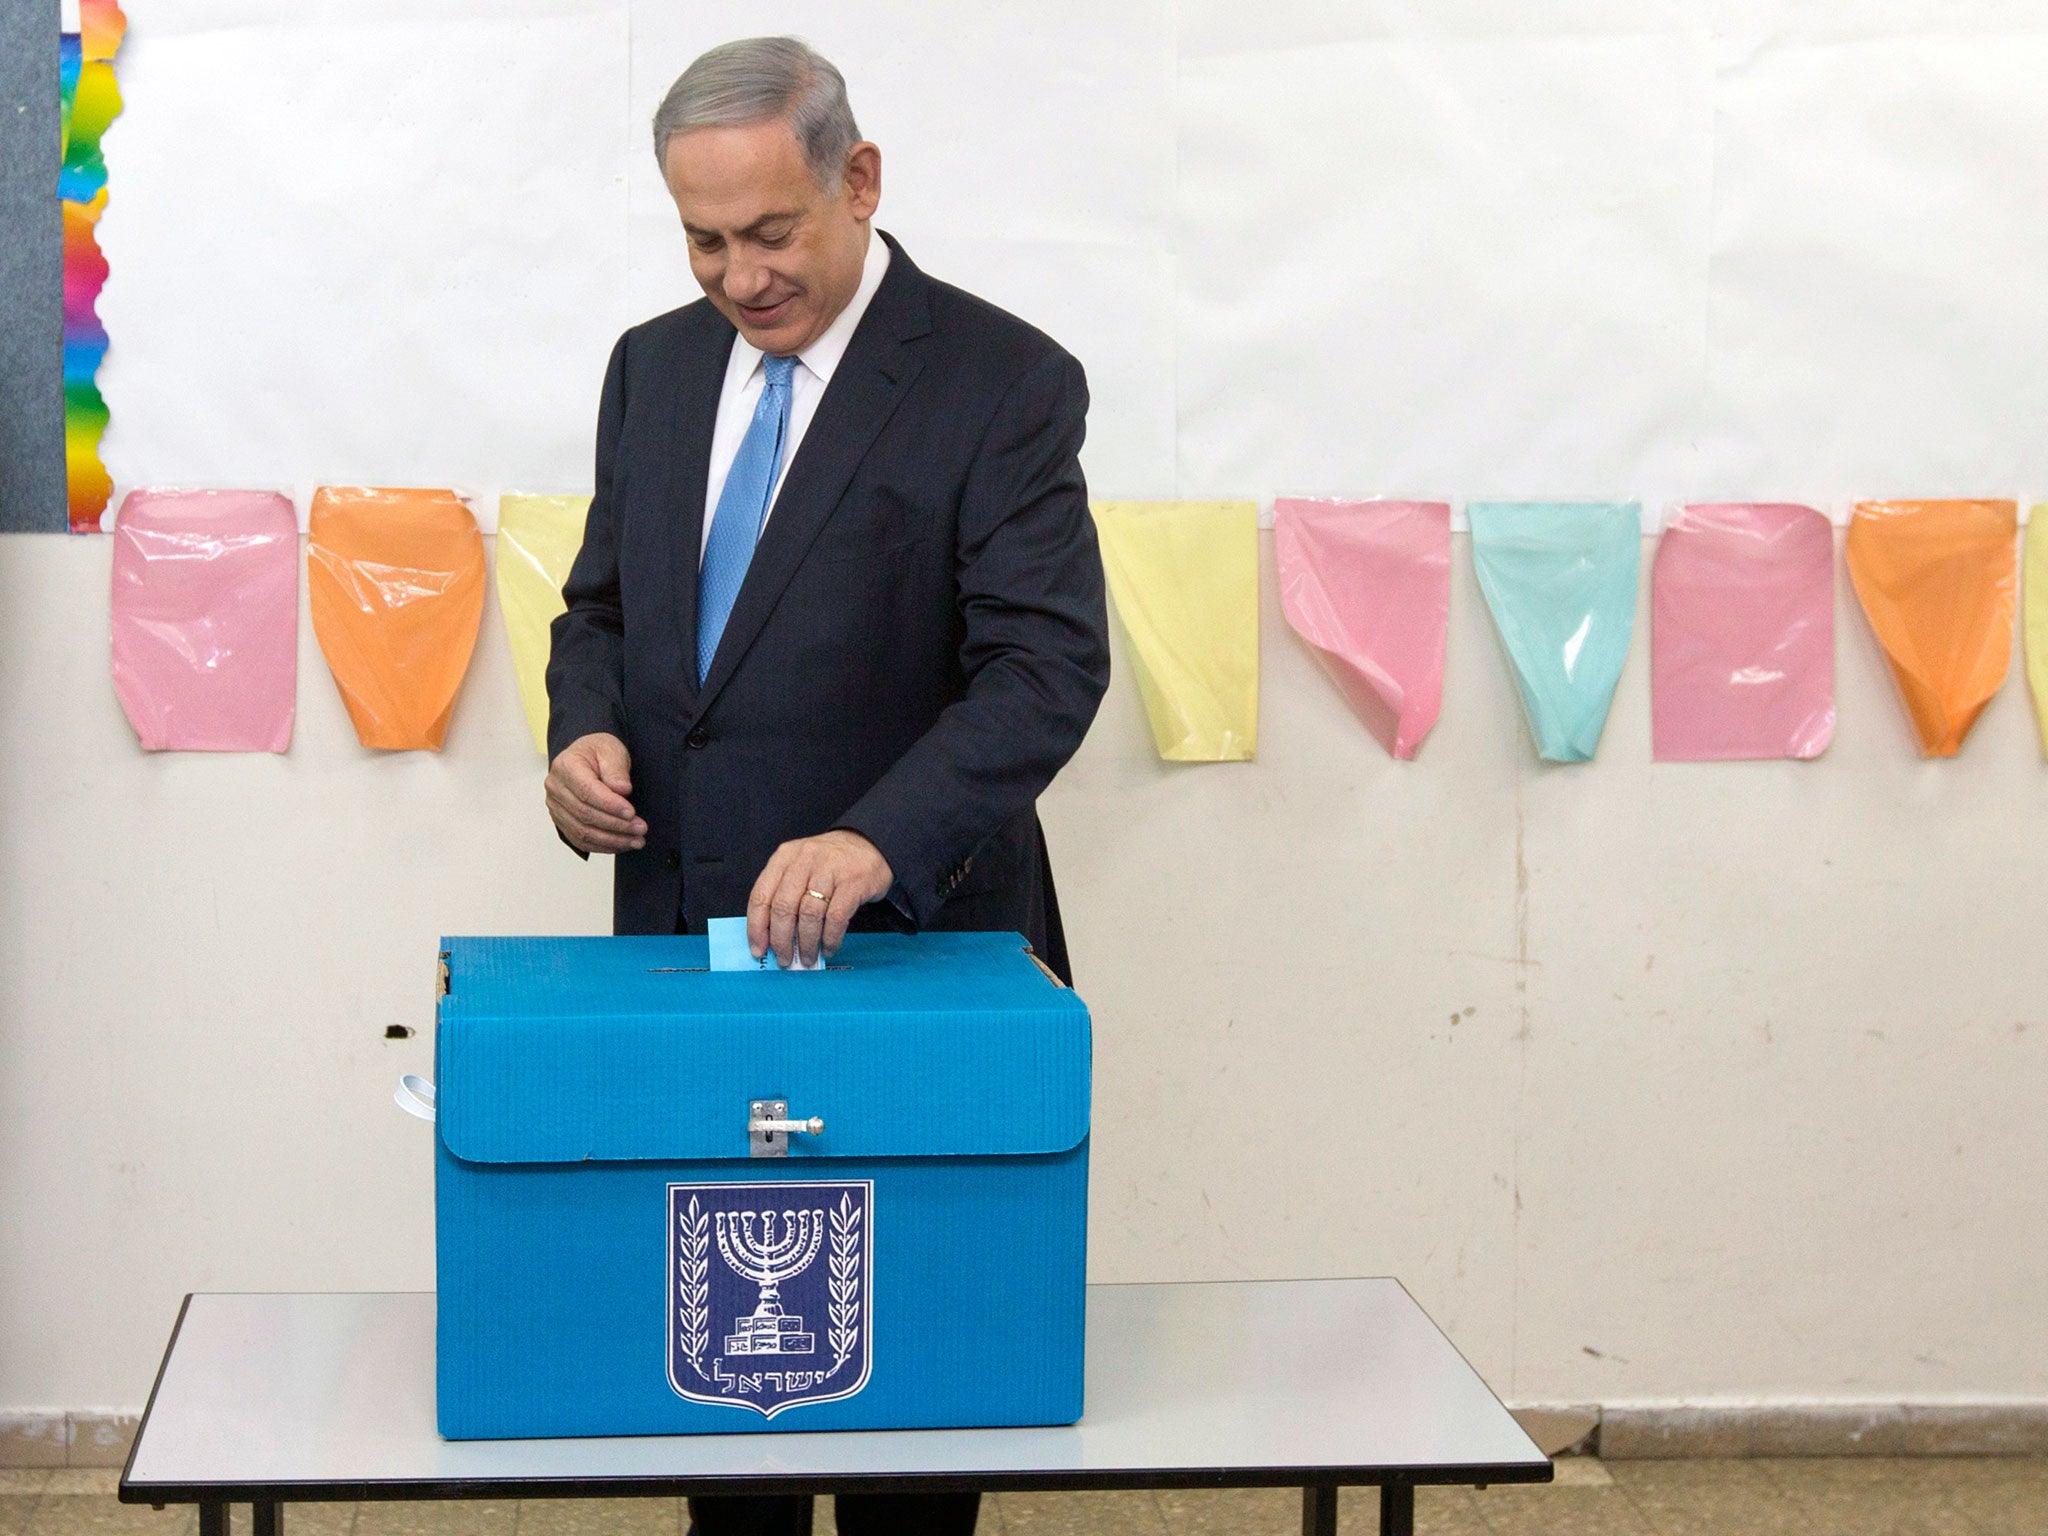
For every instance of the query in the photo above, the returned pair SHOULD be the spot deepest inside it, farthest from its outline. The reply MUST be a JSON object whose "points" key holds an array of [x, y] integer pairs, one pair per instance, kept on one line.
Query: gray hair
{"points": [[756, 79]]}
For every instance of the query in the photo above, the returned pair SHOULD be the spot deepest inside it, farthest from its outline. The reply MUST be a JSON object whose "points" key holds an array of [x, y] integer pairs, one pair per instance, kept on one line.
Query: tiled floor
{"points": [[1860, 1497]]}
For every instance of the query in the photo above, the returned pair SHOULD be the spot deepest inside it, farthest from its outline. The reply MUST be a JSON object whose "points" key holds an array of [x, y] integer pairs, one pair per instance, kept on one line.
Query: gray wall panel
{"points": [[31, 272]]}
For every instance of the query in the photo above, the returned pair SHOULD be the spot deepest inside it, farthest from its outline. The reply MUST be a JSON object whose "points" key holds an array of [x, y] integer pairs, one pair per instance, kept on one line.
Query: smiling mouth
{"points": [[765, 314]]}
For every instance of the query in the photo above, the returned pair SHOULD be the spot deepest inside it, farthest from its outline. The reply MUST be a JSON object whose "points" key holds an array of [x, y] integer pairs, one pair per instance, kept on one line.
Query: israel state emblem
{"points": [[769, 1292]]}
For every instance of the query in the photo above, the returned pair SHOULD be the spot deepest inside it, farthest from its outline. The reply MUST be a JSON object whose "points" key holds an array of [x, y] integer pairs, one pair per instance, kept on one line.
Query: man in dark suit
{"points": [[838, 616]]}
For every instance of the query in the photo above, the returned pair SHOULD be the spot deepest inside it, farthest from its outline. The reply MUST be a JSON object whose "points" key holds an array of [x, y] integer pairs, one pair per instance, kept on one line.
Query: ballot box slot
{"points": [[702, 970]]}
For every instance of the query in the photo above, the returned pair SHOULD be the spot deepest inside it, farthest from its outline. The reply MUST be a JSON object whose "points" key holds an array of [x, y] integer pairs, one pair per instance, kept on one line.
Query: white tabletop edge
{"points": [[1139, 1442]]}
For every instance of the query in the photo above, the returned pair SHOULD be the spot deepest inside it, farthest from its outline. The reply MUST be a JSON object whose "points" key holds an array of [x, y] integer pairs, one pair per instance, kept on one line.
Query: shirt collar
{"points": [[821, 357]]}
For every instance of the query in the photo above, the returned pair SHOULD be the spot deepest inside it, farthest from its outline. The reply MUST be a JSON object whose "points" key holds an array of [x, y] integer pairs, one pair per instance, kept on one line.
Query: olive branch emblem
{"points": [[693, 1272], [844, 1287]]}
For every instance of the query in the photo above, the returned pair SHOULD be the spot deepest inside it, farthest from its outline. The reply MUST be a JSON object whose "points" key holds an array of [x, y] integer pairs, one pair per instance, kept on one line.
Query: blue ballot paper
{"points": [[674, 1200], [731, 952]]}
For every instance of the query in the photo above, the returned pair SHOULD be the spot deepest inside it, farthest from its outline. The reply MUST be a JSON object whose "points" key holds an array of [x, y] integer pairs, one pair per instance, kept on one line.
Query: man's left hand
{"points": [[809, 893]]}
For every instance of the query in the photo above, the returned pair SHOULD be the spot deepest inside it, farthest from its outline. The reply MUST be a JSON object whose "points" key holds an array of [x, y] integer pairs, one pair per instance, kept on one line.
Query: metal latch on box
{"points": [[769, 1128]]}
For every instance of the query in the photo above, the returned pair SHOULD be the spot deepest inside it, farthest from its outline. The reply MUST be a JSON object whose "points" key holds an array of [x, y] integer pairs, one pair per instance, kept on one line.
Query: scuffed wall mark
{"points": [[1521, 1084], [1479, 954], [1598, 1354]]}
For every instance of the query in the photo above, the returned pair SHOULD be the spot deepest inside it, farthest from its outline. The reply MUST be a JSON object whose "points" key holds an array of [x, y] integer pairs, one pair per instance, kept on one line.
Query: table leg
{"points": [[1319, 1510], [213, 1520], [1397, 1509], [267, 1521]]}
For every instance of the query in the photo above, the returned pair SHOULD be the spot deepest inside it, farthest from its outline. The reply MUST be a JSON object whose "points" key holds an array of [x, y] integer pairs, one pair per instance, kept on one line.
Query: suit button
{"points": [[698, 737], [674, 861]]}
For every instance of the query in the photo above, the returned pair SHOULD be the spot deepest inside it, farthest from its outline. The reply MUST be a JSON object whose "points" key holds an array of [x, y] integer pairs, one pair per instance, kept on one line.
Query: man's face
{"points": [[778, 254]]}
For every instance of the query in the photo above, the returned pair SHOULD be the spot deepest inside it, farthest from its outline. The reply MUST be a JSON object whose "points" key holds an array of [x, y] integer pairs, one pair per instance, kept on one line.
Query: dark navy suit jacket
{"points": [[918, 647]]}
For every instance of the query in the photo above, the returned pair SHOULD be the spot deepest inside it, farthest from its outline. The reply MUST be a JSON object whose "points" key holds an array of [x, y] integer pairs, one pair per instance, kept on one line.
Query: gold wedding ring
{"points": [[818, 896]]}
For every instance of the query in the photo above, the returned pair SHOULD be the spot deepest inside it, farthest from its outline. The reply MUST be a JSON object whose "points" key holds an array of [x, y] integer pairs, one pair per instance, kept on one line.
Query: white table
{"points": [[1306, 1383]]}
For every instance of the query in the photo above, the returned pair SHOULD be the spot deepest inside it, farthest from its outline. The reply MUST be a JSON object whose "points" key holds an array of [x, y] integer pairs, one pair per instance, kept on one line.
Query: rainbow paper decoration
{"points": [[91, 101]]}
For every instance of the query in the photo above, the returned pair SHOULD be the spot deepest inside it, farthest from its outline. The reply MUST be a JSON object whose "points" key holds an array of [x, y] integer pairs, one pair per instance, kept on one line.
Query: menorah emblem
{"points": [[750, 1242], [744, 1260]]}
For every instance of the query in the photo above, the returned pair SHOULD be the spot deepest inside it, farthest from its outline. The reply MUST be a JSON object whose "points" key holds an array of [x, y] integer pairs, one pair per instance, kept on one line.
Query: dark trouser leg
{"points": [[763, 1515], [907, 1514]]}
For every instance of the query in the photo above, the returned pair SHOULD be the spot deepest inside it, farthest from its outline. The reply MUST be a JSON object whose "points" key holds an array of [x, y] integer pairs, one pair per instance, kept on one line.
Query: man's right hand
{"points": [[587, 788]]}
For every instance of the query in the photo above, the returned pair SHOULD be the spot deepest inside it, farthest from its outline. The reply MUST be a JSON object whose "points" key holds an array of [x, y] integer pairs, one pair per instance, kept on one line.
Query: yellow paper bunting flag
{"points": [[1185, 577], [538, 537]]}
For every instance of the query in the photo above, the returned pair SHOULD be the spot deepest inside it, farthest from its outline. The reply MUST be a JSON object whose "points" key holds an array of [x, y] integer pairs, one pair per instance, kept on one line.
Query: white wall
{"points": [[1747, 1102], [1748, 1099]]}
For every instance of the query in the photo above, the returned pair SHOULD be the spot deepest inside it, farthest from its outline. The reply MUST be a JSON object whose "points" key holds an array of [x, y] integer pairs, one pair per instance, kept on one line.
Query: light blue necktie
{"points": [[742, 508]]}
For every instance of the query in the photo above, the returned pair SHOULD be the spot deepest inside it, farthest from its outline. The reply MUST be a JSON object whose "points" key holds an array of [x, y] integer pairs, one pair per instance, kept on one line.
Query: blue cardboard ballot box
{"points": [[670, 1200]]}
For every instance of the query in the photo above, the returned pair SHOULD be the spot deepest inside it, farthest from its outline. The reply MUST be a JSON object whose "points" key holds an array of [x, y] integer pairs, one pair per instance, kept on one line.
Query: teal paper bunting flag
{"points": [[1560, 580]]}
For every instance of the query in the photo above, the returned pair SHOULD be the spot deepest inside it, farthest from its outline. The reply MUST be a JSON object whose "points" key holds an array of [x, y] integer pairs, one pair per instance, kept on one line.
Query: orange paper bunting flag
{"points": [[395, 580], [1937, 580]]}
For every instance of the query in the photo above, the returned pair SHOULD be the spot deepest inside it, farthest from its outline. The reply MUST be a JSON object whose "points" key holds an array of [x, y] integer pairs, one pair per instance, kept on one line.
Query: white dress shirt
{"points": [[745, 379]]}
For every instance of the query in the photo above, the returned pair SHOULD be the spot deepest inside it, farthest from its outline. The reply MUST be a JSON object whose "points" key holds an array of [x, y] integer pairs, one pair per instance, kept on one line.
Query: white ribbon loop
{"points": [[415, 1096]]}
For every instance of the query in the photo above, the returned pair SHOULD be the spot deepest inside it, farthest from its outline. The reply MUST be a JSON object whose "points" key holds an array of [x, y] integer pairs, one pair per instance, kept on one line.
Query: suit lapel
{"points": [[689, 467], [865, 390]]}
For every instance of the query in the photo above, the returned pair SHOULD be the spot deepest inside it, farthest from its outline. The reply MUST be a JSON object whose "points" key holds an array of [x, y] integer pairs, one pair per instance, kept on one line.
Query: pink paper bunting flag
{"points": [[1368, 585], [1742, 634], [206, 619]]}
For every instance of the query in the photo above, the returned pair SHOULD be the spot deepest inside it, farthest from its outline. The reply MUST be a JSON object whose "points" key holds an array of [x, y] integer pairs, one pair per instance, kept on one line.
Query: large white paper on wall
{"points": [[1669, 248], [1660, 249], [1441, 253], [365, 241], [1880, 303]]}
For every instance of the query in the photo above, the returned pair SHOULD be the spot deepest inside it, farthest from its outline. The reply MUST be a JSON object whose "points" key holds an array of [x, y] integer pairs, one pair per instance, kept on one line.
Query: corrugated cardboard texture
{"points": [[557, 1272], [560, 1050]]}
